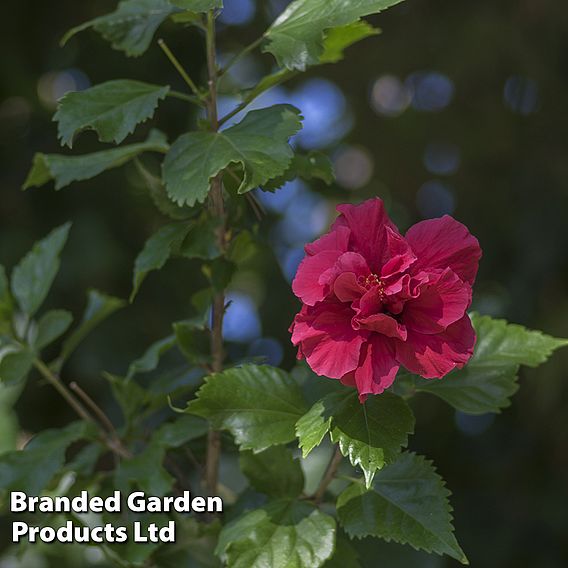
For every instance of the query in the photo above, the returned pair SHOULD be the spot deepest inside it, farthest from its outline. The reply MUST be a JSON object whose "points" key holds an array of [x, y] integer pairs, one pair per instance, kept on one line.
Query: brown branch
{"points": [[217, 207], [329, 475]]}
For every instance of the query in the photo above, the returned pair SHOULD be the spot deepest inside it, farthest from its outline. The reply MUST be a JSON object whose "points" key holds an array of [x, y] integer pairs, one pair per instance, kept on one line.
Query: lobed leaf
{"points": [[337, 40], [259, 143], [131, 27], [313, 165], [64, 170], [297, 38], [259, 405], [282, 534], [33, 276], [488, 381], [408, 504], [370, 435], [112, 109]]}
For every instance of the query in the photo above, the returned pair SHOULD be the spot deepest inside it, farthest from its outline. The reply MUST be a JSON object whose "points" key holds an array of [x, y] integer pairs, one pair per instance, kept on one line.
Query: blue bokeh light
{"points": [[473, 425], [435, 199], [521, 95], [280, 199], [268, 349], [238, 12], [442, 158], [325, 111], [307, 219], [290, 259], [431, 91], [241, 323]]}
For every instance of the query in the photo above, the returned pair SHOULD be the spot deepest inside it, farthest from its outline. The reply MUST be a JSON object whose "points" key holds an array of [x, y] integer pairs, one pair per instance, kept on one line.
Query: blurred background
{"points": [[458, 107]]}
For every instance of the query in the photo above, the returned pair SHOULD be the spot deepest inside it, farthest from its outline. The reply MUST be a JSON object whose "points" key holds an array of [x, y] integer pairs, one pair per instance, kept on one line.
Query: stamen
{"points": [[372, 281]]}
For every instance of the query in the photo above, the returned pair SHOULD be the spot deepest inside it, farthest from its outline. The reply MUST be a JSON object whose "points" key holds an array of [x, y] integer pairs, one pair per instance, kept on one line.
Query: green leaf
{"points": [[131, 27], [32, 469], [131, 397], [151, 357], [198, 5], [193, 340], [315, 424], [488, 381], [259, 405], [370, 434], [99, 308], [156, 252], [345, 555], [180, 431], [9, 429], [337, 40], [159, 196], [407, 504], [51, 326], [201, 239], [297, 37], [112, 109], [6, 303], [33, 276], [15, 364], [145, 470], [242, 248], [313, 165], [65, 170], [259, 143], [220, 272], [283, 534], [273, 472]]}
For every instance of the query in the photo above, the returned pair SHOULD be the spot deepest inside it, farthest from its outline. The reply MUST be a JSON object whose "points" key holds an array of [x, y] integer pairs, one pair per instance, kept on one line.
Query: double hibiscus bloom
{"points": [[374, 300]]}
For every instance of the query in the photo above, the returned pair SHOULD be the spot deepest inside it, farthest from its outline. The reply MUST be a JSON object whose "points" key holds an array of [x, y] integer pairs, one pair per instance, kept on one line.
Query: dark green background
{"points": [[510, 478]]}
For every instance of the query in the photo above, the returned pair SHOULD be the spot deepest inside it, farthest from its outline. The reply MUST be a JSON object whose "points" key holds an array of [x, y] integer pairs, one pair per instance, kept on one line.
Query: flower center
{"points": [[373, 281]]}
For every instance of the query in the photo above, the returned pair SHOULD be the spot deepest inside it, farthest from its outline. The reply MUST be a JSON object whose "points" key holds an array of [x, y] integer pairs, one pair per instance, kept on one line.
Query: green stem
{"points": [[63, 391], [112, 442], [187, 98], [179, 67], [278, 79]]}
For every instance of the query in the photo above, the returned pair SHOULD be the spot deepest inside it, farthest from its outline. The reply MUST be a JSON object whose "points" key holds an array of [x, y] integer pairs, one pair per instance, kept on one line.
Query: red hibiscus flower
{"points": [[374, 300]]}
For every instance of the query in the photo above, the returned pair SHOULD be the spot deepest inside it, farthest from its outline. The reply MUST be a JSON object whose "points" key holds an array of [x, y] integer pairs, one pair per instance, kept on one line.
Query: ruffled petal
{"points": [[326, 339], [336, 239], [442, 300], [347, 288], [401, 256], [433, 356], [306, 284], [378, 368], [445, 243], [381, 323], [367, 222]]}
